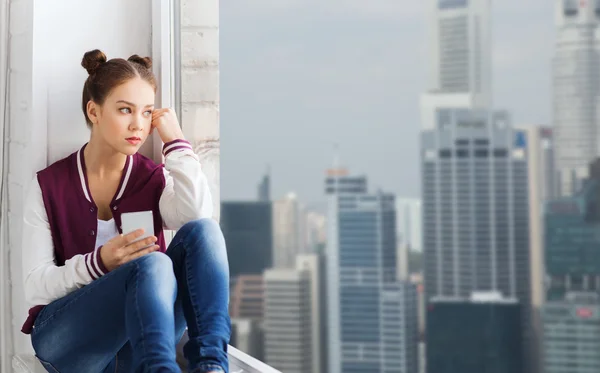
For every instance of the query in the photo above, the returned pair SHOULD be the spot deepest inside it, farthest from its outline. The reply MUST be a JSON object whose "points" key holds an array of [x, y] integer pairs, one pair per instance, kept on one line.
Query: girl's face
{"points": [[124, 120]]}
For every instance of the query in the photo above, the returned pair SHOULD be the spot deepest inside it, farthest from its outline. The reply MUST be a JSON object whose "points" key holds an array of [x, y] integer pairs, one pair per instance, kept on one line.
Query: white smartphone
{"points": [[130, 221]]}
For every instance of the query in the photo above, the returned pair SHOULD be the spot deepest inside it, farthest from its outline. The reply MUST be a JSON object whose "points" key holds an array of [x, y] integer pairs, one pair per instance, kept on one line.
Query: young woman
{"points": [[112, 301]]}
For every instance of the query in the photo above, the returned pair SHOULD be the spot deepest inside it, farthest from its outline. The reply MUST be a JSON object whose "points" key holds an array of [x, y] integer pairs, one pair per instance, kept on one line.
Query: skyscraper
{"points": [[315, 232], [408, 233], [408, 222], [372, 317], [573, 239], [247, 335], [571, 314], [475, 335], [248, 231], [247, 297], [475, 208], [576, 93], [572, 334], [264, 188], [294, 316], [460, 56], [542, 183], [288, 321], [289, 226]]}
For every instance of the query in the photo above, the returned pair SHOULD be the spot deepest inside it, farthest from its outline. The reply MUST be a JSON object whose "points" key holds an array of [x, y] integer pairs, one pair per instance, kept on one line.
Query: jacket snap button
{"points": [[92, 232]]}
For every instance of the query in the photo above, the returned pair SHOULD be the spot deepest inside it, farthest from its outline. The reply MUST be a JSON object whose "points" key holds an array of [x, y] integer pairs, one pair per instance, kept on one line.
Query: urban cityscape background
{"points": [[491, 265]]}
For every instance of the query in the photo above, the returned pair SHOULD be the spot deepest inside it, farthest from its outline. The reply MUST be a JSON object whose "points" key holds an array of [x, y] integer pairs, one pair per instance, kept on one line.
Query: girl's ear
{"points": [[93, 111]]}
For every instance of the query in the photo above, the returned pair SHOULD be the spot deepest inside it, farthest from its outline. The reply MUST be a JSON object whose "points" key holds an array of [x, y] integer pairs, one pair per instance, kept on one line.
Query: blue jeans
{"points": [[131, 319]]}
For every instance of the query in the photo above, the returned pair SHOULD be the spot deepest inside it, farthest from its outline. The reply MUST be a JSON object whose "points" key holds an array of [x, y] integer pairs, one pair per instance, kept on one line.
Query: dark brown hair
{"points": [[107, 75]]}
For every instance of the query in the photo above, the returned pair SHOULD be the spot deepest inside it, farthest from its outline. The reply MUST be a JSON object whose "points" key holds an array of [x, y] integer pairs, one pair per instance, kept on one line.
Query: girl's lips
{"points": [[133, 140]]}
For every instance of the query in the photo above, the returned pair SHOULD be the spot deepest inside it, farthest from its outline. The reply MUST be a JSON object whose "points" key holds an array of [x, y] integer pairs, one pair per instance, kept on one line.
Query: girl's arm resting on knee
{"points": [[186, 196], [44, 281]]}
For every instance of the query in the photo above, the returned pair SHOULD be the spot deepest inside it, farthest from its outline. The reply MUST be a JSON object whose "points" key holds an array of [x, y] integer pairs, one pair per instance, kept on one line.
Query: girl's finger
{"points": [[158, 112]]}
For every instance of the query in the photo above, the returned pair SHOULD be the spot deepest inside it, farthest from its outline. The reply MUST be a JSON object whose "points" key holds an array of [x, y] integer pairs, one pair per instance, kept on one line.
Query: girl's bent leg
{"points": [[202, 271], [83, 331]]}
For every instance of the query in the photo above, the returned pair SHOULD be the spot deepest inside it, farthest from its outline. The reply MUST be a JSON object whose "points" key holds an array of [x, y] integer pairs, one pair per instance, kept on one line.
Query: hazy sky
{"points": [[300, 75]]}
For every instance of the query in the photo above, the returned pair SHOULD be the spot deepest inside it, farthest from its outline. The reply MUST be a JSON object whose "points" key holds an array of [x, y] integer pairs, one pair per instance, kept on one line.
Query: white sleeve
{"points": [[44, 281], [186, 196]]}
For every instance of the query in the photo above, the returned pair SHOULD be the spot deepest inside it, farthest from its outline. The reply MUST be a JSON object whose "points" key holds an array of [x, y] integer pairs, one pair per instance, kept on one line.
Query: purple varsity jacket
{"points": [[72, 214]]}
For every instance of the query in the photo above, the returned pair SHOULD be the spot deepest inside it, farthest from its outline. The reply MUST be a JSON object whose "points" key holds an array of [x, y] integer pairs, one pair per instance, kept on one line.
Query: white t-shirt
{"points": [[107, 229]]}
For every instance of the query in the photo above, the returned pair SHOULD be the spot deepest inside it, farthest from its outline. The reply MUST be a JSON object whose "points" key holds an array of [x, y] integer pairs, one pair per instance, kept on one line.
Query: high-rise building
{"points": [[417, 280], [372, 317], [316, 230], [248, 231], [247, 297], [576, 94], [247, 335], [313, 265], [408, 222], [288, 231], [542, 184], [474, 335], [475, 206], [476, 209], [571, 314], [572, 334], [461, 48], [289, 320], [295, 316], [246, 309], [408, 233], [460, 57], [264, 188], [572, 240]]}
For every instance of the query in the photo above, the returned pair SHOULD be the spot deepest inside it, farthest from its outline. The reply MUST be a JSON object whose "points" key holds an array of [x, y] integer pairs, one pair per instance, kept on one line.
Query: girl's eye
{"points": [[125, 110], [148, 113]]}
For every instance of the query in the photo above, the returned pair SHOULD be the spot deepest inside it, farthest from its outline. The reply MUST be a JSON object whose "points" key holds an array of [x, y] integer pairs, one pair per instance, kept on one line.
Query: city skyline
{"points": [[387, 43]]}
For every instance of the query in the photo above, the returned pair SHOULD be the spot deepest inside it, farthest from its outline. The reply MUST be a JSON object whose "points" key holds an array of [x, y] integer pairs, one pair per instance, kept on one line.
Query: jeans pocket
{"points": [[48, 366]]}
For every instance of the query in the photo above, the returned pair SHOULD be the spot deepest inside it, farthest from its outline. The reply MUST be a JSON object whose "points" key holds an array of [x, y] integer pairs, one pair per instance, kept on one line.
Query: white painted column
{"points": [[200, 86]]}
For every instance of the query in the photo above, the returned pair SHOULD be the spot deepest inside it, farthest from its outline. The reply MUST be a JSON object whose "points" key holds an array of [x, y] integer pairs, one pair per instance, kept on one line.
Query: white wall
{"points": [[64, 31]]}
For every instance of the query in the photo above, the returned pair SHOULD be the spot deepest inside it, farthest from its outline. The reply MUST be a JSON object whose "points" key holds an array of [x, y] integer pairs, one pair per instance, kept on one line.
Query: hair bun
{"points": [[92, 60], [144, 61]]}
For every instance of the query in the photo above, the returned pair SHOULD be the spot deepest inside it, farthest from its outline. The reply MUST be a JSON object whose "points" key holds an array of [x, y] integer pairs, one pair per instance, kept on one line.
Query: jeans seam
{"points": [[191, 293], [137, 308]]}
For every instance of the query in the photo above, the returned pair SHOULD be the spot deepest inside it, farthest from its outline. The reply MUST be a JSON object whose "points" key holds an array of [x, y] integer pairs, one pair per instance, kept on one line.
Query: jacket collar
{"points": [[126, 174]]}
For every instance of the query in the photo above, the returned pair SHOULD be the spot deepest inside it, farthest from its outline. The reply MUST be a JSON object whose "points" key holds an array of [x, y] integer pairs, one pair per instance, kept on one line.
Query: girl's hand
{"points": [[166, 123], [122, 249]]}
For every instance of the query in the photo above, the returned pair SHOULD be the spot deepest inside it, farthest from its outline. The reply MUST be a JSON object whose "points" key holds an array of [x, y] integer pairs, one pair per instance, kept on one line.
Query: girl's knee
{"points": [[158, 264], [202, 227]]}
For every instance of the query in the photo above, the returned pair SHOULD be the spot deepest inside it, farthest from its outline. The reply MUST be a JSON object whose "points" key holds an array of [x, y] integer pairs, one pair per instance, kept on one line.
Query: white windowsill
{"points": [[239, 362]]}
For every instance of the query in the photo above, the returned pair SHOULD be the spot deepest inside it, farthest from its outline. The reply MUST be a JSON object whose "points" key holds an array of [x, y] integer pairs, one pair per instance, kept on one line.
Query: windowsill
{"points": [[26, 364], [239, 362]]}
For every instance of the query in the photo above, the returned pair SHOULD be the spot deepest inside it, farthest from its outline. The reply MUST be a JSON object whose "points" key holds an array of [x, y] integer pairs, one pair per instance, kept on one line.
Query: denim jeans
{"points": [[131, 319]]}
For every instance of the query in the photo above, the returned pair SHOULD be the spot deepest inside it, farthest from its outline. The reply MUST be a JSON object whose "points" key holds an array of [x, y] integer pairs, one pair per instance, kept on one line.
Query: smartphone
{"points": [[131, 221]]}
